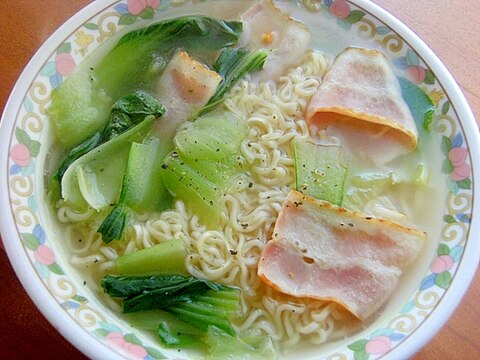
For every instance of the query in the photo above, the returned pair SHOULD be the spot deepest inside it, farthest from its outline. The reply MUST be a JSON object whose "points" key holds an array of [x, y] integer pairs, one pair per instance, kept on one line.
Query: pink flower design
{"points": [[65, 63], [441, 264], [44, 255], [340, 9], [461, 170], [134, 351], [378, 345], [135, 7], [115, 340], [20, 153], [416, 74]]}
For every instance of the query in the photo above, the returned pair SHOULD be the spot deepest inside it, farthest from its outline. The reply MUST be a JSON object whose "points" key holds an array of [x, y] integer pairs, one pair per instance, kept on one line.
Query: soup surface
{"points": [[406, 189]]}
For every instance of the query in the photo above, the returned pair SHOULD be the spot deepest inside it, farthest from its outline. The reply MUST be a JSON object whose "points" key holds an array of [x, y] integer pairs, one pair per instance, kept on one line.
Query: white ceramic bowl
{"points": [[58, 293]]}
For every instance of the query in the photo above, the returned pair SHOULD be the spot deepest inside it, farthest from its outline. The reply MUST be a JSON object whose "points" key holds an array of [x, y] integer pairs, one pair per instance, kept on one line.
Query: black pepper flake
{"points": [[174, 154], [211, 202], [244, 225], [368, 218], [350, 224], [233, 252], [250, 185], [297, 204], [84, 282], [217, 150], [164, 166], [95, 261]]}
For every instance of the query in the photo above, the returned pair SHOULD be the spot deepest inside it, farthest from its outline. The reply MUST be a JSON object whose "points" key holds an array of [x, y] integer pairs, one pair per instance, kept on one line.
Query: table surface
{"points": [[450, 27]]}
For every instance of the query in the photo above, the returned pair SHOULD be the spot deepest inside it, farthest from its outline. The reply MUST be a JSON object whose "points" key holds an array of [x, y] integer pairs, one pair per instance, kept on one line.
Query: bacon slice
{"points": [[267, 27], [326, 252], [184, 88], [360, 94]]}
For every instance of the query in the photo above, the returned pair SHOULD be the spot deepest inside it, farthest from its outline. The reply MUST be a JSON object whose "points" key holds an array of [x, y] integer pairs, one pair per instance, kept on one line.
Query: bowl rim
{"points": [[471, 256], [38, 293], [89, 345]]}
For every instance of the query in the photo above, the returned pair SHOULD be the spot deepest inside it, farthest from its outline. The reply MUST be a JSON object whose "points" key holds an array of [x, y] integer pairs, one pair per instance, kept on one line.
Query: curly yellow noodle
{"points": [[230, 253]]}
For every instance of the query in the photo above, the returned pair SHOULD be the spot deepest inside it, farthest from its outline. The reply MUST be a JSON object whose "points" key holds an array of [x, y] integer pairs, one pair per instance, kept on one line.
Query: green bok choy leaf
{"points": [[142, 189], [233, 64], [80, 106], [126, 112]]}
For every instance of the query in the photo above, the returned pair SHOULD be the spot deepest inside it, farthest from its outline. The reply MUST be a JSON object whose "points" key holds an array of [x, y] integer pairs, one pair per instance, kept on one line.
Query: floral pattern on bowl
{"points": [[26, 146]]}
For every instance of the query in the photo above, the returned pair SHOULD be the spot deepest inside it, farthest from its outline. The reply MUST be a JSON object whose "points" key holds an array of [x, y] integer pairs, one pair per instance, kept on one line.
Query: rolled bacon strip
{"points": [[325, 252], [184, 88], [362, 90]]}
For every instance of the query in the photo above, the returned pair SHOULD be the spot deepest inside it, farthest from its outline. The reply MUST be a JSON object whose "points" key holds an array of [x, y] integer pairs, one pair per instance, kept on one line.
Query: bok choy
{"points": [[205, 160], [165, 258], [233, 64], [189, 313], [320, 170], [126, 112], [142, 189], [200, 303], [95, 179], [80, 106], [421, 107]]}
